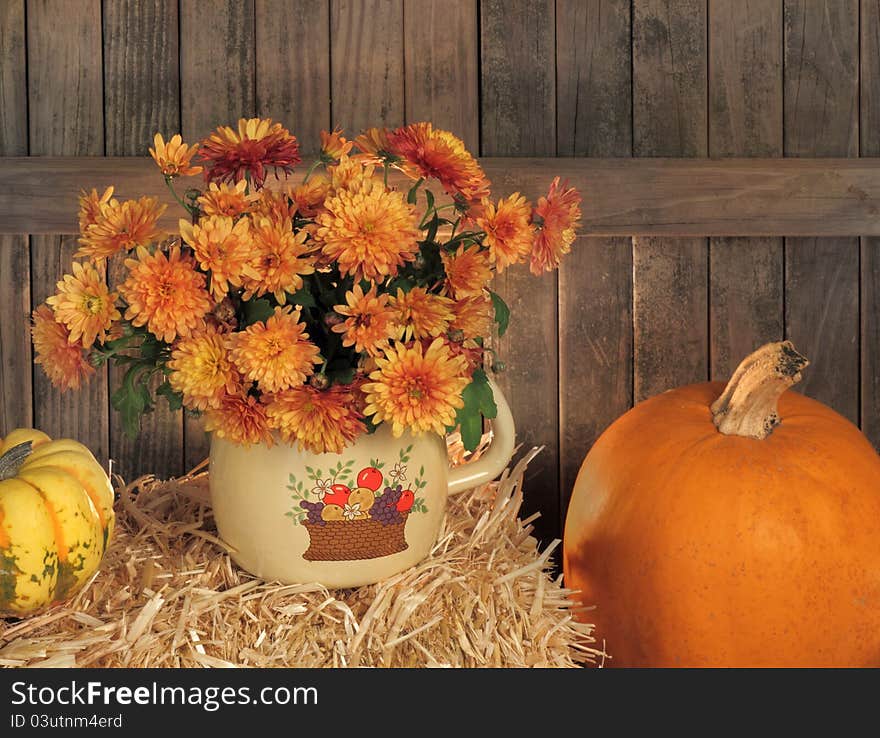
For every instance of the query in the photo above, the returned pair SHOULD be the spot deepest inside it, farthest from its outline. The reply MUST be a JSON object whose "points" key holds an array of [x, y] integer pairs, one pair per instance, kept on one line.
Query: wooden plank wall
{"points": [[625, 317]]}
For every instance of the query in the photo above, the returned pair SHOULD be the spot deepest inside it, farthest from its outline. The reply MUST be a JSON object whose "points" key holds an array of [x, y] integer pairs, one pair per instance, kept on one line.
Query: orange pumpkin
{"points": [[711, 528]]}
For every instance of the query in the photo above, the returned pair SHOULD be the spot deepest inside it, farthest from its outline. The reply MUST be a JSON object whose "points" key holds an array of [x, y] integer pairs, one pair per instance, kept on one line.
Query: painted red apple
{"points": [[370, 477], [338, 495], [406, 500]]}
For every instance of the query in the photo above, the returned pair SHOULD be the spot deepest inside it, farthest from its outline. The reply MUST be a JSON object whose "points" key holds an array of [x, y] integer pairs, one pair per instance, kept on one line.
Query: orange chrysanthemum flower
{"points": [[309, 196], [334, 145], [84, 305], [508, 229], [122, 227], [417, 389], [276, 354], [165, 293], [63, 361], [257, 146], [90, 204], [431, 152], [473, 316], [370, 233], [279, 261], [222, 247], [370, 320], [375, 147], [467, 271], [421, 314], [320, 421], [175, 157], [202, 370], [558, 217], [240, 419], [350, 174], [230, 200], [274, 206]]}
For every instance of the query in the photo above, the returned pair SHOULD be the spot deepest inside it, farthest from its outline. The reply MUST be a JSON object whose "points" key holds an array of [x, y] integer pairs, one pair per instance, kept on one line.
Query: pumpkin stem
{"points": [[12, 460], [747, 407]]}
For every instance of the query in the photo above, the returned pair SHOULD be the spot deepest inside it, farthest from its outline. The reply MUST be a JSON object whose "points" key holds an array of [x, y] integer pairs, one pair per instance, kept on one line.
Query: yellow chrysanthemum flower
{"points": [[276, 354], [280, 259], [223, 247], [370, 320], [508, 229], [175, 157], [230, 200], [202, 370], [421, 314], [415, 389], [63, 361], [370, 233], [165, 293], [85, 305], [467, 271], [320, 421], [122, 227], [240, 419], [90, 204]]}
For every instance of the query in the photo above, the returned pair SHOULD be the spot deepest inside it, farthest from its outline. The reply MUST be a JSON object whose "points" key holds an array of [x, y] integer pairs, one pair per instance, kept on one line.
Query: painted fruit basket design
{"points": [[356, 516]]}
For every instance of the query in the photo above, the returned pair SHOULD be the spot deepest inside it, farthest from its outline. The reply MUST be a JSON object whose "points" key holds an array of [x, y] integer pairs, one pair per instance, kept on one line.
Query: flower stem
{"points": [[168, 179]]}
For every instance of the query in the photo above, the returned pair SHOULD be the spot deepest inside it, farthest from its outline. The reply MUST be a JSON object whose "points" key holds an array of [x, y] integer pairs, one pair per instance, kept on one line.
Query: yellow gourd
{"points": [[56, 519]]}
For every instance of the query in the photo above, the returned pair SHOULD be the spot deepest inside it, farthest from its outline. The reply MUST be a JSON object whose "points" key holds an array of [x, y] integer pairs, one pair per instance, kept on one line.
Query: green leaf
{"points": [[257, 310], [342, 376], [301, 297], [502, 312], [429, 198], [133, 398], [413, 193], [175, 399], [471, 427]]}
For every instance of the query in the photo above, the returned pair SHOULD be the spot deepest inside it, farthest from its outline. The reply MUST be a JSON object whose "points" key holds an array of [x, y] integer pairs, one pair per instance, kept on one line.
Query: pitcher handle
{"points": [[496, 457]]}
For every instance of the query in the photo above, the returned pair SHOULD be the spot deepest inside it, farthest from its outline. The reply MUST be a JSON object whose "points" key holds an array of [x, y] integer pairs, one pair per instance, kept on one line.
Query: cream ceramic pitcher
{"points": [[348, 519]]}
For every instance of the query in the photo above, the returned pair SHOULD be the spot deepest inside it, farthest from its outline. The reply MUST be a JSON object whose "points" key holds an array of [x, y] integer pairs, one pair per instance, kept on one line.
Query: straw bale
{"points": [[168, 595]]}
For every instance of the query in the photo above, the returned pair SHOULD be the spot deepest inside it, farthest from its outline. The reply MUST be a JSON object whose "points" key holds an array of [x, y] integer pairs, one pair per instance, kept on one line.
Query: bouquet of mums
{"points": [[305, 312]]}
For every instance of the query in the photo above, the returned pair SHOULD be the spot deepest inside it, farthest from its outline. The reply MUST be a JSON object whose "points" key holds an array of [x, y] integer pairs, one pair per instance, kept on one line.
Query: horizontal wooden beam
{"points": [[622, 197]]}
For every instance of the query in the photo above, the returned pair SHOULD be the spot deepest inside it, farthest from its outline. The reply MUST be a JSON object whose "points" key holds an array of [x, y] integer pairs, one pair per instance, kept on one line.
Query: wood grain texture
{"points": [[217, 86], [594, 78], [745, 119], [16, 410], [141, 84], [518, 84], [293, 67], [367, 63], [821, 118], [66, 118], [81, 414], [141, 74], [518, 118], [869, 123], [595, 281], [441, 66], [670, 276], [217, 64], [13, 79], [645, 197], [65, 85]]}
